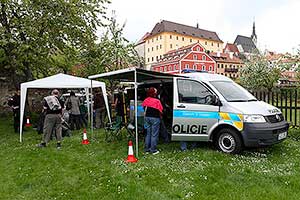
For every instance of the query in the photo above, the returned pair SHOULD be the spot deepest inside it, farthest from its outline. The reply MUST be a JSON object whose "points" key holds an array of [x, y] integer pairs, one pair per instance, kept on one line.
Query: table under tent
{"points": [[60, 81], [140, 79]]}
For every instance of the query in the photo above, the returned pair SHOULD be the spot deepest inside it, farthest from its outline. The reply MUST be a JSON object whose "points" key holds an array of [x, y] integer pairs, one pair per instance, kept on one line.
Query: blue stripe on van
{"points": [[195, 114]]}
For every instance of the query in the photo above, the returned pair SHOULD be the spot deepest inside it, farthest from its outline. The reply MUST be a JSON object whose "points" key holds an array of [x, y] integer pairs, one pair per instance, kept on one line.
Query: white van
{"points": [[212, 107]]}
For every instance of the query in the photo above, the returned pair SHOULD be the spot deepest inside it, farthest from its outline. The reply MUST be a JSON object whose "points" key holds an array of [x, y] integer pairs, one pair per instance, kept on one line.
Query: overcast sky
{"points": [[277, 21]]}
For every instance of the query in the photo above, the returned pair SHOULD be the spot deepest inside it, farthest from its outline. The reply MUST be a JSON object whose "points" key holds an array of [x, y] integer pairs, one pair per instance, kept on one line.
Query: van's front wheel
{"points": [[228, 141]]}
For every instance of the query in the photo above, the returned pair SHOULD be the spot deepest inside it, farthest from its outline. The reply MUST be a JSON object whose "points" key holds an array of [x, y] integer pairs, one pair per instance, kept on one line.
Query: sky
{"points": [[276, 21]]}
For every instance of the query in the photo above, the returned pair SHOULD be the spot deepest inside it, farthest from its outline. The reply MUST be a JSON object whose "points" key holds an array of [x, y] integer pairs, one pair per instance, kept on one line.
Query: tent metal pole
{"points": [[135, 115], [92, 109], [88, 104]]}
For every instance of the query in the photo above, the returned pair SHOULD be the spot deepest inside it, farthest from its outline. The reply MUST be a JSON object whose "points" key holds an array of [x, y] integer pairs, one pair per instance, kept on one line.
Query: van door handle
{"points": [[181, 106]]}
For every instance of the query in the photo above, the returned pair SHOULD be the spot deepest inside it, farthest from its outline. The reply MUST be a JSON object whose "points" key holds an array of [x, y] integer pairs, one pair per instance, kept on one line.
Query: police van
{"points": [[212, 107]]}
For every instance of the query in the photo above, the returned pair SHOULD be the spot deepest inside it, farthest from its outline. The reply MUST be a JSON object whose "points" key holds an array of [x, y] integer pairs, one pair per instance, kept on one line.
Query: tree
{"points": [[113, 52], [35, 35], [259, 74]]}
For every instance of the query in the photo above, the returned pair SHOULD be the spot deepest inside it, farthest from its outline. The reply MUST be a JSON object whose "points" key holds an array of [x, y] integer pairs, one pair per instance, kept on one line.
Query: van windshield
{"points": [[232, 92]]}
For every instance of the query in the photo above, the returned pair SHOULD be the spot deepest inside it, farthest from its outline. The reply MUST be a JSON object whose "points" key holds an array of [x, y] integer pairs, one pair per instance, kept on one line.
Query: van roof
{"points": [[207, 77]]}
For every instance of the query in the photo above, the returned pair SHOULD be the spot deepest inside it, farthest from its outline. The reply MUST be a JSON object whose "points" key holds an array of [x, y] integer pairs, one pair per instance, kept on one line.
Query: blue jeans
{"points": [[184, 144], [152, 127]]}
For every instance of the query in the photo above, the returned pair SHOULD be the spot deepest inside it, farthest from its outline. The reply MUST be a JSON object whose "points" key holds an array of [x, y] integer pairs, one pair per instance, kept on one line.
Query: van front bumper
{"points": [[263, 134]]}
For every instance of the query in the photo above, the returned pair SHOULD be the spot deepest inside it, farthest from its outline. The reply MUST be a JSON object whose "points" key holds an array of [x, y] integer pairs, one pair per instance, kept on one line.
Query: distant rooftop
{"points": [[246, 42]]}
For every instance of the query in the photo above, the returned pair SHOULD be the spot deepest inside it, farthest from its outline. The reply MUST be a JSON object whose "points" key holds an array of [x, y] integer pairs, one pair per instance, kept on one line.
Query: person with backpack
{"points": [[53, 119]]}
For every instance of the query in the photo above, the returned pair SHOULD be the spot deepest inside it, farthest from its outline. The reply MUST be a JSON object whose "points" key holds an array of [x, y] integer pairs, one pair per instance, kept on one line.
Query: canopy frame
{"points": [[61, 81], [136, 76]]}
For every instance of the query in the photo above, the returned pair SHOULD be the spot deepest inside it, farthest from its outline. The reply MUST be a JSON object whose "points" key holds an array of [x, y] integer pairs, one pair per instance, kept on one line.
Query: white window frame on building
{"points": [[203, 57], [210, 68], [194, 66], [203, 68], [195, 57], [187, 66]]}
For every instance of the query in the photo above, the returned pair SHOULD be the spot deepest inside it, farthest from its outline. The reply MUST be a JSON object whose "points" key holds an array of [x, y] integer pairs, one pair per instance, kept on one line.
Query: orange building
{"points": [[167, 36], [228, 64]]}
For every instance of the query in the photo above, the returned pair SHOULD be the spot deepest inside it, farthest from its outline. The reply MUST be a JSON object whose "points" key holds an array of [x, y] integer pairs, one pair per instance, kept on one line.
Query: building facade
{"points": [[167, 36], [228, 64], [188, 57]]}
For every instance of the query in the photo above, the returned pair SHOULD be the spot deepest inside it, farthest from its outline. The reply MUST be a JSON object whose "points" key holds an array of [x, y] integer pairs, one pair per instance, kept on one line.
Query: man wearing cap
{"points": [[53, 109]]}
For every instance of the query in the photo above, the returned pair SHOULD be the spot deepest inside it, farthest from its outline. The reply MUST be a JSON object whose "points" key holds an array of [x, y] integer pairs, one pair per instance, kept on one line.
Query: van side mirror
{"points": [[216, 101]]}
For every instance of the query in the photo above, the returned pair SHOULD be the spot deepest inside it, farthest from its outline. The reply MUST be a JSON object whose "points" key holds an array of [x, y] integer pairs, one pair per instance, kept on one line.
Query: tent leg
{"points": [[92, 109], [135, 115]]}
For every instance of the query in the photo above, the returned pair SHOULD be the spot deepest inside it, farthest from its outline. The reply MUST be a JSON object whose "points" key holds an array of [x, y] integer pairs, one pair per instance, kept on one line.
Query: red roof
{"points": [[225, 57], [176, 54], [232, 48]]}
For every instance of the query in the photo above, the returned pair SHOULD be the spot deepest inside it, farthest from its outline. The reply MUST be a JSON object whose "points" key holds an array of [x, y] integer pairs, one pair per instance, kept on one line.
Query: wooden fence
{"points": [[286, 99]]}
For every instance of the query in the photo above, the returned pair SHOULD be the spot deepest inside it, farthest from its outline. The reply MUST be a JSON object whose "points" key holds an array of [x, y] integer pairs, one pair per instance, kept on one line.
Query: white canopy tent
{"points": [[61, 81]]}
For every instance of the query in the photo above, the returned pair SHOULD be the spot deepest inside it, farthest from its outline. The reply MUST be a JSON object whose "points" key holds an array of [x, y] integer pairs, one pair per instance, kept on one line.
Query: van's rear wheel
{"points": [[228, 141]]}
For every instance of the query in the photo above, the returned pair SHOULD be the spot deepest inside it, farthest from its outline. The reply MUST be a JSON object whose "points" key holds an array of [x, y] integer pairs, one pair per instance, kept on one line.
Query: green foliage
{"points": [[113, 52], [259, 74], [98, 170], [41, 37]]}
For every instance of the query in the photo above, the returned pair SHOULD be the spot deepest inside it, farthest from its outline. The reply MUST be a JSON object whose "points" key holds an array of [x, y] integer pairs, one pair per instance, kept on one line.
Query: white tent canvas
{"points": [[60, 81]]}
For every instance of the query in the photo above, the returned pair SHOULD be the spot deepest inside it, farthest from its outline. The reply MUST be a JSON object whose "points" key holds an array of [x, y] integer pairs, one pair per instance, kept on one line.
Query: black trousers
{"points": [[75, 121], [16, 114]]}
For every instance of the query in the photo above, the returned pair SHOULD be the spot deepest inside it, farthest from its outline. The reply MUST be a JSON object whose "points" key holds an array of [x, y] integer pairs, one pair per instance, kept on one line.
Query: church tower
{"points": [[254, 36]]}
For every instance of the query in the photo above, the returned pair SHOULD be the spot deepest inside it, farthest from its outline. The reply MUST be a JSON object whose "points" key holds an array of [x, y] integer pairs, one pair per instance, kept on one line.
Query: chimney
{"points": [[218, 54], [197, 25], [231, 55]]}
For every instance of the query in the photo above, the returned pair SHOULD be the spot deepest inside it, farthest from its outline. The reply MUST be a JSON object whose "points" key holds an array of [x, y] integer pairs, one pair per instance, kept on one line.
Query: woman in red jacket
{"points": [[153, 111]]}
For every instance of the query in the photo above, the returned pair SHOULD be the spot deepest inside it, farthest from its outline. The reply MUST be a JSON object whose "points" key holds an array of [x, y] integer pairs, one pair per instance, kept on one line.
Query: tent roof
{"points": [[128, 75], [62, 81]]}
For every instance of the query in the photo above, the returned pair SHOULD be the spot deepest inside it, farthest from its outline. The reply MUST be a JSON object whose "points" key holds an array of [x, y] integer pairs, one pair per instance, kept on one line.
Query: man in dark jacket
{"points": [[14, 103], [99, 107], [53, 119]]}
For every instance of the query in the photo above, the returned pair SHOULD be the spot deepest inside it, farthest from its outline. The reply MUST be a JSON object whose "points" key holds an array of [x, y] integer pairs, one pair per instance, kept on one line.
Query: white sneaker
{"points": [[156, 152]]}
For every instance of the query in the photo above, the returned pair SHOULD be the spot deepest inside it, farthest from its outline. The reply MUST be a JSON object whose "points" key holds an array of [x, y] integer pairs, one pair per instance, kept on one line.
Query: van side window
{"points": [[190, 91]]}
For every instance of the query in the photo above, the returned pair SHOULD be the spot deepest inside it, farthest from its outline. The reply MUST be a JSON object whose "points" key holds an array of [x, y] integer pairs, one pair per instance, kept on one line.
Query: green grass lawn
{"points": [[98, 170]]}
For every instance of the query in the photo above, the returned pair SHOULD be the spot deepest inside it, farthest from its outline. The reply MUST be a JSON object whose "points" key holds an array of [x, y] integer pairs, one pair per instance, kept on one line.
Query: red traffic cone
{"points": [[85, 139], [27, 122], [130, 157]]}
